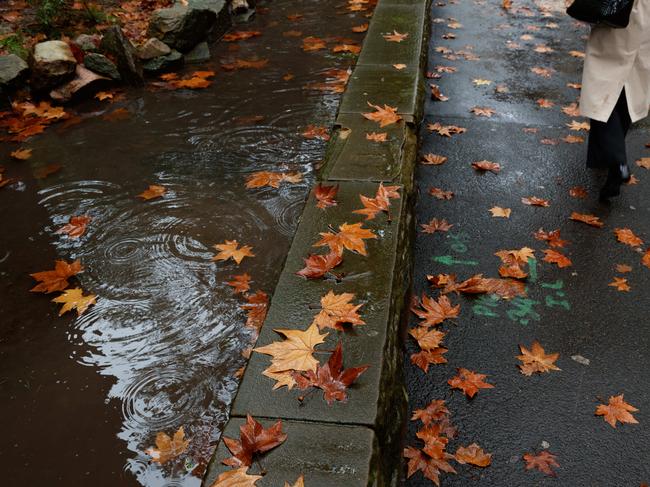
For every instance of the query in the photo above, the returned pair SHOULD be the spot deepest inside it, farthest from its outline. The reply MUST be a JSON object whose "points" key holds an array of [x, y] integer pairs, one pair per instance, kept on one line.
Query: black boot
{"points": [[617, 176]]}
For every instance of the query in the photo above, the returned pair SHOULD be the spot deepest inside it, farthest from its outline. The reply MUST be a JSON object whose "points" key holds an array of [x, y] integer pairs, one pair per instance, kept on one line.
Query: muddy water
{"points": [[82, 398]]}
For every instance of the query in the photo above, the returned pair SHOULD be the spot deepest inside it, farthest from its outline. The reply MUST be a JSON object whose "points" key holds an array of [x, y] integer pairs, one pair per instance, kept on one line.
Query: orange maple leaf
{"points": [[313, 44], [435, 225], [314, 132], [383, 116], [153, 191], [469, 382], [434, 312], [553, 237], [21, 154], [626, 236], [76, 227], [395, 36], [337, 310], [253, 438], [377, 137], [646, 259], [433, 159], [425, 358], [498, 212], [74, 299], [256, 307], [230, 250], [240, 35], [434, 412], [273, 179], [483, 111], [474, 455], [441, 194], [558, 258], [236, 478], [427, 339], [360, 28], [325, 195], [617, 410], [543, 461], [429, 466], [168, 448], [347, 48], [56, 279], [487, 166], [592, 220], [319, 265], [350, 237], [240, 283], [536, 360], [380, 203], [620, 284]]}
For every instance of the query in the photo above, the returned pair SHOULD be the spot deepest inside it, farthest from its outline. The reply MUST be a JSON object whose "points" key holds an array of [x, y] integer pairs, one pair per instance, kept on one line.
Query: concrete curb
{"points": [[355, 443]]}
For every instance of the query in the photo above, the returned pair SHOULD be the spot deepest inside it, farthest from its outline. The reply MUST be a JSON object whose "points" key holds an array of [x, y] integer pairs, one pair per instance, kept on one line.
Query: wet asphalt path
{"points": [[572, 311]]}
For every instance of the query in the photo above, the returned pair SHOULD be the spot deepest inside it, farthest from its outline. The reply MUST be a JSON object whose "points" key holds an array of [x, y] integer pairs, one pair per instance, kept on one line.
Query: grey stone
{"points": [[101, 64], [170, 62], [128, 64], [242, 10], [52, 64], [88, 42], [12, 69], [153, 48], [199, 54], [184, 26], [84, 78]]}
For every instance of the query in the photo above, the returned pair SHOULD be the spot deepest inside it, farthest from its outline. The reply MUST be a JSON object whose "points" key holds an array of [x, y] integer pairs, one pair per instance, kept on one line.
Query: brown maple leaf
{"points": [[56, 279], [483, 111], [498, 212], [75, 227], [645, 260], [312, 43], [325, 195], [433, 159], [395, 36], [230, 250], [436, 94], [553, 238], [168, 448], [256, 307], [377, 137], [433, 312], [429, 466], [236, 478], [578, 126], [332, 378], [45, 171], [273, 179], [544, 103], [626, 236], [425, 358], [535, 201], [360, 28], [315, 132], [446, 130], [571, 110], [153, 191], [240, 283], [558, 258], [506, 288], [317, 266], [383, 116], [543, 72], [578, 192], [573, 139], [494, 167], [469, 382], [245, 64], [441, 194], [543, 461], [435, 225], [337, 310], [380, 203], [253, 438], [434, 412], [21, 154], [240, 35], [295, 352], [536, 360], [474, 455], [354, 49], [350, 237], [74, 299], [644, 162], [617, 410], [620, 284], [623, 268], [591, 220], [427, 339]]}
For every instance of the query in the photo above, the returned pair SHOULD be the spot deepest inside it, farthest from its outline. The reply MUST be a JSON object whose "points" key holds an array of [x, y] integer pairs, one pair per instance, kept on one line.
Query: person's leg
{"points": [[606, 146]]}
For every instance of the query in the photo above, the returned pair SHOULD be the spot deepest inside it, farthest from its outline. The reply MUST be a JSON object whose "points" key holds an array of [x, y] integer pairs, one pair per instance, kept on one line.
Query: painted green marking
{"points": [[485, 306], [459, 242], [523, 311], [450, 260], [532, 269]]}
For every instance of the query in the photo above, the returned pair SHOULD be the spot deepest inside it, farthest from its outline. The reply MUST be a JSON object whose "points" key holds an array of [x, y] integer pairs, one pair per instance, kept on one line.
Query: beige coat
{"points": [[617, 59]]}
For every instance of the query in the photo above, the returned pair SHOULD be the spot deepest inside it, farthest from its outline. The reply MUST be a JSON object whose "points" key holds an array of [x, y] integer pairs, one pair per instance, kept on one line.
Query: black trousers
{"points": [[606, 147]]}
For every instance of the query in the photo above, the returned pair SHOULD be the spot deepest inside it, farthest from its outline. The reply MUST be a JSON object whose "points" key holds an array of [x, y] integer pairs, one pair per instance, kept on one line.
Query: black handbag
{"points": [[612, 13]]}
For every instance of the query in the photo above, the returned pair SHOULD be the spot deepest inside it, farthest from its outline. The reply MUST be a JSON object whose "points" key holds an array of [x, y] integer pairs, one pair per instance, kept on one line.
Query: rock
{"points": [[116, 44], [52, 64], [101, 64], [161, 64], [12, 69], [242, 10], [153, 48], [87, 42], [184, 26], [83, 79], [199, 54]]}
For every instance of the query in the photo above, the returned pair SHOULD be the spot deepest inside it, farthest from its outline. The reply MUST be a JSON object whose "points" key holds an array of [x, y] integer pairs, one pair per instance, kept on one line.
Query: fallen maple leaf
{"points": [[325, 195], [433, 159], [469, 382], [498, 212], [395, 36], [435, 225], [168, 448], [360, 28], [441, 194], [230, 250], [425, 358], [300, 482], [646, 259], [620, 284], [578, 192], [45, 171], [434, 412], [236, 478], [104, 95], [354, 49], [311, 43], [253, 438], [350, 237], [75, 227], [380, 203], [544, 103], [544, 461], [474, 455], [245, 64], [318, 265], [626, 236], [481, 82], [314, 132], [572, 110], [74, 299], [578, 126], [336, 310], [483, 111], [399, 66], [429, 466], [434, 312], [332, 378], [22, 154], [536, 360], [383, 116], [256, 307], [240, 283], [543, 72], [377, 137], [427, 339], [558, 258], [623, 268], [494, 167], [56, 279], [617, 410], [446, 130], [273, 179], [436, 94], [644, 162], [553, 238], [535, 201], [506, 288], [296, 351], [240, 35], [573, 139], [153, 191], [592, 220]]}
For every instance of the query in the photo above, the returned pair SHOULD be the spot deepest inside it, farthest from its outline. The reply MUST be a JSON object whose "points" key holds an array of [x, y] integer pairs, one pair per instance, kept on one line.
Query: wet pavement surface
{"points": [[82, 398], [572, 310]]}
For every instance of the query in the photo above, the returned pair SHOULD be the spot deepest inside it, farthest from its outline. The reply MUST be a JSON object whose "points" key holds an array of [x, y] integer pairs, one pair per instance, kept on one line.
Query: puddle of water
{"points": [[83, 398]]}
